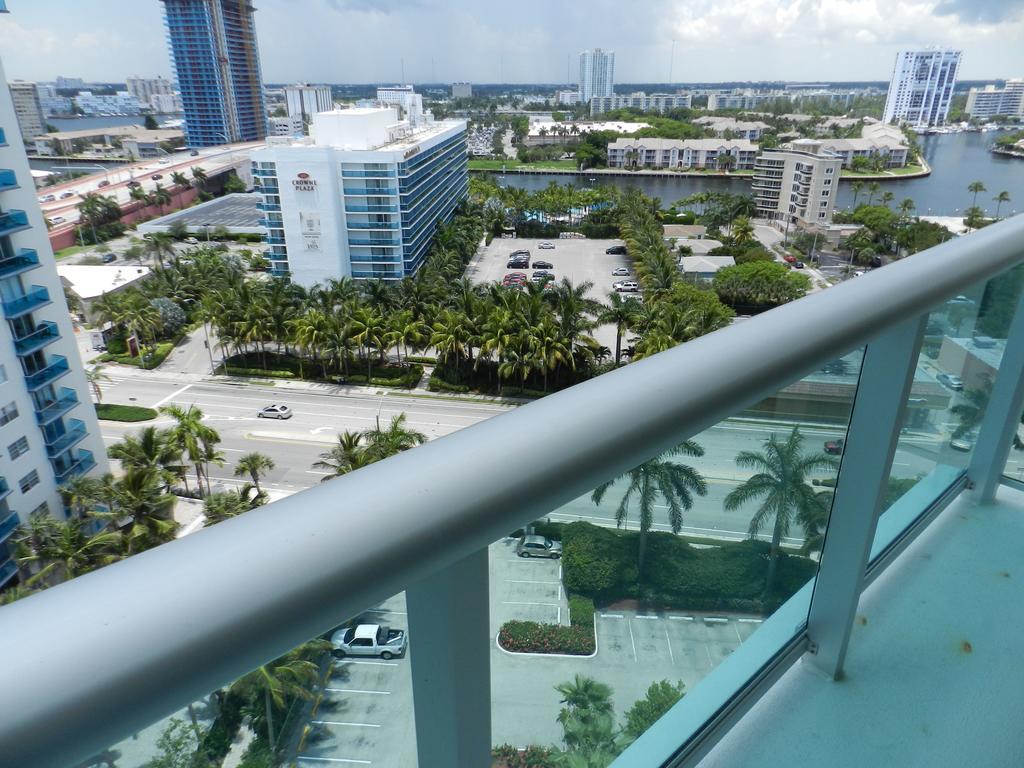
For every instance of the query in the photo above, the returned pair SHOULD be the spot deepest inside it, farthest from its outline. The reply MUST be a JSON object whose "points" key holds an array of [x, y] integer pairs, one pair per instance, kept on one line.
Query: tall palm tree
{"points": [[138, 496], [158, 245], [975, 187], [199, 177], [348, 455], [151, 448], [368, 330], [395, 438], [782, 483], [550, 348], [673, 481], [856, 186], [887, 197], [906, 207], [254, 464], [94, 376], [1002, 197], [71, 552], [873, 189], [192, 437]]}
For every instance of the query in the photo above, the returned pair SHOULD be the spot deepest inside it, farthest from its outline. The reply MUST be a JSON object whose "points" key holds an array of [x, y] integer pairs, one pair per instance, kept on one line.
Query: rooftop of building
{"points": [[705, 264], [684, 230], [743, 145], [618, 126], [121, 131], [731, 123], [91, 282], [236, 212], [367, 128]]}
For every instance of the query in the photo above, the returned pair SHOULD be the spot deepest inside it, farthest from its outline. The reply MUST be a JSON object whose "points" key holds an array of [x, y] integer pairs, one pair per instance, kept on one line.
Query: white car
{"points": [[47, 198], [275, 412], [627, 286], [620, 272], [57, 220], [546, 246], [369, 640]]}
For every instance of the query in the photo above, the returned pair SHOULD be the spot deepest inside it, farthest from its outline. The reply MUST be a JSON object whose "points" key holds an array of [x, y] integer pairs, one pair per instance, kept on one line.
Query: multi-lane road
{"points": [[321, 414]]}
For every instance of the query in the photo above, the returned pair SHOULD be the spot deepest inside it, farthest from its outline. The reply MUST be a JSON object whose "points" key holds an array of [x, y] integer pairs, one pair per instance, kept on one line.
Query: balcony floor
{"points": [[933, 673]]}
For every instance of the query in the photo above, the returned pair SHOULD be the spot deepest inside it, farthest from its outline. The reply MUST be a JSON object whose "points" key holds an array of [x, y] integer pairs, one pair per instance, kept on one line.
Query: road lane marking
{"points": [[611, 616], [528, 581], [681, 618], [339, 722], [655, 618], [171, 396], [383, 610], [356, 690], [715, 620], [513, 602], [333, 760], [372, 663], [750, 621], [631, 640], [671, 656]]}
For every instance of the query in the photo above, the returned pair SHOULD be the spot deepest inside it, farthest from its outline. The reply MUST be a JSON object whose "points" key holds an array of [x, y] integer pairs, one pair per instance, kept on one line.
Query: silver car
{"points": [[538, 546], [276, 411], [369, 640]]}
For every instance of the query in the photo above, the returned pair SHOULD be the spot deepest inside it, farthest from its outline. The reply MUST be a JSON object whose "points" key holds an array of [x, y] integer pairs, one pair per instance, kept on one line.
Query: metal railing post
{"points": [[885, 379], [450, 644], [1002, 414]]}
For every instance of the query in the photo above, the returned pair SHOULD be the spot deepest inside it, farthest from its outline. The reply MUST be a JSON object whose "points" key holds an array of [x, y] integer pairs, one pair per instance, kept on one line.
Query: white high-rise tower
{"points": [[921, 88], [597, 74]]}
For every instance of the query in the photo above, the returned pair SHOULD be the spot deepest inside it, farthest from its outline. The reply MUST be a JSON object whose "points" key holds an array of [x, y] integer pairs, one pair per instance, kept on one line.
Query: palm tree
{"points": [[971, 409], [161, 197], [873, 189], [741, 231], [199, 177], [368, 331], [94, 376], [254, 464], [587, 721], [70, 552], [151, 448], [549, 348], [382, 443], [887, 197], [856, 186], [138, 496], [347, 456], [975, 187], [1002, 197], [675, 482], [192, 437], [782, 481], [158, 245], [906, 206]]}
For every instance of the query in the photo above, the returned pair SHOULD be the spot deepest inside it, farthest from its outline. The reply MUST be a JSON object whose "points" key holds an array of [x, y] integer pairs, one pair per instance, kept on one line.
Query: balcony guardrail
{"points": [[57, 368], [3, 138], [273, 240], [374, 241], [45, 333], [56, 445], [7, 180], [374, 225], [49, 412], [13, 221], [5, 489], [23, 260], [33, 299], [371, 192], [80, 466], [12, 520], [371, 208], [8, 570], [456, 490]]}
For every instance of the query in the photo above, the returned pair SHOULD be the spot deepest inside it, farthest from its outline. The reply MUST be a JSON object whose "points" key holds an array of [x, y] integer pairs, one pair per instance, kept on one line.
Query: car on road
{"points": [[876, 262], [835, 447], [627, 286], [47, 198], [517, 264], [103, 183], [191, 241], [949, 380], [798, 264], [107, 258], [66, 195], [543, 265], [194, 153], [369, 640], [960, 300], [57, 220], [618, 250], [789, 259], [963, 443], [538, 546], [546, 246], [620, 272], [156, 176], [276, 411], [133, 184], [520, 252]]}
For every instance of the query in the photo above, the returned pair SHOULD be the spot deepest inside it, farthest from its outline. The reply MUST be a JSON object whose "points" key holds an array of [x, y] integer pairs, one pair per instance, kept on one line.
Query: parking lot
{"points": [[578, 260], [528, 589]]}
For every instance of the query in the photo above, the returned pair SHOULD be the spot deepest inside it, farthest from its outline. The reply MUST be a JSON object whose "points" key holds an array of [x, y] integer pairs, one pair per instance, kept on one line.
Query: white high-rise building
{"points": [[597, 74], [797, 182], [462, 90], [921, 88], [360, 197], [990, 101], [305, 101], [406, 99], [144, 88], [48, 428], [27, 109]]}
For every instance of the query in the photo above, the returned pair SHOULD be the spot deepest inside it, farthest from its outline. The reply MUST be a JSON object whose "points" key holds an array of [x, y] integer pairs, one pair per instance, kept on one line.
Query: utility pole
{"points": [[671, 62]]}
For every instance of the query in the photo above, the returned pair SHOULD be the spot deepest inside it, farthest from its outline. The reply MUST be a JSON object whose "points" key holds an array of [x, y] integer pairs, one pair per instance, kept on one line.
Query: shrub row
{"points": [[115, 412], [437, 384], [533, 637], [421, 359], [508, 756], [601, 563], [163, 349], [234, 370], [581, 611]]}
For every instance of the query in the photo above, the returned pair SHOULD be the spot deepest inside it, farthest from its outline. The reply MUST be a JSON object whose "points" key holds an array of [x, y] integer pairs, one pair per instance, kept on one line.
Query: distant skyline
{"points": [[365, 41]]}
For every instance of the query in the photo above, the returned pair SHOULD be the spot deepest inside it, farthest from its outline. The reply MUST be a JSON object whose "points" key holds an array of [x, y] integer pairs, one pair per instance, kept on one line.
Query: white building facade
{"points": [[797, 182], [682, 154], [145, 88], [921, 87], [990, 101], [121, 103], [462, 90], [286, 126], [655, 102], [362, 196], [597, 74], [304, 101], [27, 109], [48, 428]]}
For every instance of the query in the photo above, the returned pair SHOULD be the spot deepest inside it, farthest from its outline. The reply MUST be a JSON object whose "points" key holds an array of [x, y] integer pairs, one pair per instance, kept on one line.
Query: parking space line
{"points": [[334, 760], [383, 610], [750, 621], [736, 629], [356, 690], [338, 722], [681, 618], [655, 618], [631, 640], [514, 602], [611, 615], [373, 663], [670, 654], [531, 581], [708, 651], [715, 620]]}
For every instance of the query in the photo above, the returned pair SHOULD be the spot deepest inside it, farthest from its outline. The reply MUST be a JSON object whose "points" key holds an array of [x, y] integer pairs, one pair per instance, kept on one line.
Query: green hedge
{"points": [[437, 384], [581, 611], [115, 412], [533, 637], [601, 563], [234, 370], [508, 756], [163, 349], [421, 359]]}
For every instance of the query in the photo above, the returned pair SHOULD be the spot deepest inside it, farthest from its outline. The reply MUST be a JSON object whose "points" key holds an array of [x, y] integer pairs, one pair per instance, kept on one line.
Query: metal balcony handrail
{"points": [[283, 573]]}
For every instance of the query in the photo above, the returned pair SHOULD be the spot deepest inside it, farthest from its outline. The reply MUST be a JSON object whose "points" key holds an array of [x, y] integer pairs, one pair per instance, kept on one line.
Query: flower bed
{"points": [[534, 637]]}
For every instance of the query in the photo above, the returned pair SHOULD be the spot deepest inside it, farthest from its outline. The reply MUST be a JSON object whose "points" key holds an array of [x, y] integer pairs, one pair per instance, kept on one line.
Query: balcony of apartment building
{"points": [[896, 643], [49, 409], [13, 221], [23, 301], [3, 138], [33, 339], [74, 463], [355, 190], [8, 180], [59, 438], [49, 372], [14, 261]]}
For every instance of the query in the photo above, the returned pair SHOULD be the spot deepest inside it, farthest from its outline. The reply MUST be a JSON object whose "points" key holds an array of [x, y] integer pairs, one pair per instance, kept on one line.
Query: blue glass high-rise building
{"points": [[213, 46]]}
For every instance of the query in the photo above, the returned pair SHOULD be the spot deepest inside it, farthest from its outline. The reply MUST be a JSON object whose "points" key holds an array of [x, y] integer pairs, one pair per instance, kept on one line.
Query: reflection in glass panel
{"points": [[963, 345], [663, 572]]}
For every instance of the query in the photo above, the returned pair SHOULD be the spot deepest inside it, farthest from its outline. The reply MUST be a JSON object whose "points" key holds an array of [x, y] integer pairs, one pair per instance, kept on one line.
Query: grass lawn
{"points": [[115, 412], [72, 250], [497, 165], [881, 175]]}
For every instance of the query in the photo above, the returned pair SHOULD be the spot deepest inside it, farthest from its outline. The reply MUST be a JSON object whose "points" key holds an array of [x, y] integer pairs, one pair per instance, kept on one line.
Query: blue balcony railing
{"points": [[371, 208], [374, 225], [373, 241], [81, 464], [23, 260], [381, 192], [7, 180], [49, 412], [9, 523], [3, 138], [369, 174], [44, 334], [57, 444], [33, 299], [273, 240], [13, 221], [47, 375], [5, 489], [8, 570]]}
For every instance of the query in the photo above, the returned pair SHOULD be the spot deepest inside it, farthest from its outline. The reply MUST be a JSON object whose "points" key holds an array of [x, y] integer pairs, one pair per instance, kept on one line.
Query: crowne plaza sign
{"points": [[303, 183]]}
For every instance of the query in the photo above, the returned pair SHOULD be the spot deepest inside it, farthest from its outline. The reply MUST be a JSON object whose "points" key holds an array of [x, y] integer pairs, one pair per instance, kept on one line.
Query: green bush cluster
{"points": [[601, 563], [115, 412], [438, 384], [508, 756], [234, 370], [581, 611], [421, 359], [534, 637], [163, 349]]}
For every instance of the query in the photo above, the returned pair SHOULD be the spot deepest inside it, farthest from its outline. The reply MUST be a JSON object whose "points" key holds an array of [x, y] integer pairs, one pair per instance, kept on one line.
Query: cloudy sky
{"points": [[360, 41]]}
